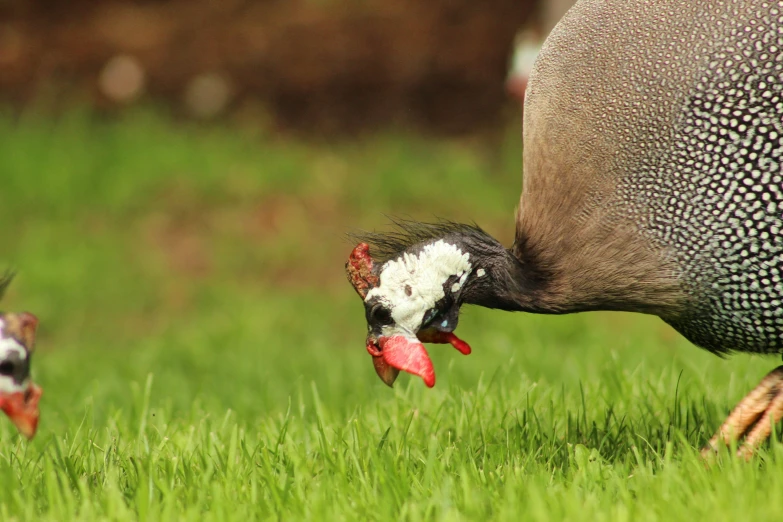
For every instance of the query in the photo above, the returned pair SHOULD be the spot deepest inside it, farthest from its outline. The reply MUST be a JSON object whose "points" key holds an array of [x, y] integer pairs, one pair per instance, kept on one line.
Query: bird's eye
{"points": [[6, 368], [380, 314]]}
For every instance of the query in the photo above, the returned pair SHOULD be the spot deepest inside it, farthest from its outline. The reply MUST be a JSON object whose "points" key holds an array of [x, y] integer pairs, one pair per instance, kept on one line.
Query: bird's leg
{"points": [[753, 417], [763, 427]]}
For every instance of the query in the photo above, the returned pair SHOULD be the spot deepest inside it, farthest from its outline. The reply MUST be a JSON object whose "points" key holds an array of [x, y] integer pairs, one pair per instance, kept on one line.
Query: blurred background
{"points": [[151, 150], [310, 66]]}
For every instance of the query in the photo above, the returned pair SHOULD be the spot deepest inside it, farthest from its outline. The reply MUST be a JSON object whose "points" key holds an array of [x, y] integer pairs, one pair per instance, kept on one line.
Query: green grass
{"points": [[202, 355]]}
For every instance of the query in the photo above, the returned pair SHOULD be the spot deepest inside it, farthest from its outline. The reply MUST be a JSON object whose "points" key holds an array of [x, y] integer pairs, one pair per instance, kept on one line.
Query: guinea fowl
{"points": [[653, 183], [18, 394]]}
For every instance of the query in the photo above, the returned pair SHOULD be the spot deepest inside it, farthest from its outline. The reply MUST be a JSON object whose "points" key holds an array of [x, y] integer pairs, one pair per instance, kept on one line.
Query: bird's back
{"points": [[654, 163]]}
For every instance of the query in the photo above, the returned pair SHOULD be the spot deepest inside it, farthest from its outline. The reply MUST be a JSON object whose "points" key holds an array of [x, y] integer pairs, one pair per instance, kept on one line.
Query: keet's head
{"points": [[18, 394], [412, 286]]}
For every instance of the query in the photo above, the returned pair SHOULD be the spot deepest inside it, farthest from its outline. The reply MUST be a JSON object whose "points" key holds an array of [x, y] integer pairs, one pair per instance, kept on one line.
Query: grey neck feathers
{"points": [[509, 283]]}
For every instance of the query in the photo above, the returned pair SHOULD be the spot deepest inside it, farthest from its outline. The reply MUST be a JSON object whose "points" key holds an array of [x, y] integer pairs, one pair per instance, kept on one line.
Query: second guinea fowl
{"points": [[653, 160], [19, 396]]}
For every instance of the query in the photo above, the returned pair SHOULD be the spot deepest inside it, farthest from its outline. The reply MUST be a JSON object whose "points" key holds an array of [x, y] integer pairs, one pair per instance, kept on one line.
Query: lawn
{"points": [[202, 355]]}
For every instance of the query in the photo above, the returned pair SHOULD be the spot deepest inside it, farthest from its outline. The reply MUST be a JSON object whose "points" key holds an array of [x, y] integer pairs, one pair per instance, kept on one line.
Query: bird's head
{"points": [[413, 285], [18, 394]]}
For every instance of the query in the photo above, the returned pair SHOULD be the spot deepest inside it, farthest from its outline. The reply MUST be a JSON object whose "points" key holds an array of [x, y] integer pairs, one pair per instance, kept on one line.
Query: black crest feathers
{"points": [[408, 233]]}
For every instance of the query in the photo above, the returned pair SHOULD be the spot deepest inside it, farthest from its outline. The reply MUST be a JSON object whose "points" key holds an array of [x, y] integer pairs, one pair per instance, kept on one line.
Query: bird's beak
{"points": [[400, 352], [385, 371], [22, 408]]}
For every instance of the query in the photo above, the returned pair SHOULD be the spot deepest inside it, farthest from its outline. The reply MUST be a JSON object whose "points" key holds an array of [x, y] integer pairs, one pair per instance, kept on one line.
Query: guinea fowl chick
{"points": [[653, 183]]}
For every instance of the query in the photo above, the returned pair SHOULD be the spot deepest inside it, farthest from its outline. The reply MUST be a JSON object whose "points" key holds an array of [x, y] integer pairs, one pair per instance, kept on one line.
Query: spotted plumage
{"points": [[710, 187], [690, 139], [729, 161]]}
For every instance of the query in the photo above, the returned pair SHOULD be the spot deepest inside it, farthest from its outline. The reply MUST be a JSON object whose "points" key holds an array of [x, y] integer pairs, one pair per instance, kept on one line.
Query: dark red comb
{"points": [[359, 270]]}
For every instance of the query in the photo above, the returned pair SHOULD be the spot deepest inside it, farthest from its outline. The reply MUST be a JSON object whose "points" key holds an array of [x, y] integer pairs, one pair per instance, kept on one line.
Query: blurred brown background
{"points": [[316, 67]]}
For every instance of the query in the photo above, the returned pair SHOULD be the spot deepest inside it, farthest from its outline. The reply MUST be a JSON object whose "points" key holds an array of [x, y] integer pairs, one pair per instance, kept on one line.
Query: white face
{"points": [[10, 349], [412, 284]]}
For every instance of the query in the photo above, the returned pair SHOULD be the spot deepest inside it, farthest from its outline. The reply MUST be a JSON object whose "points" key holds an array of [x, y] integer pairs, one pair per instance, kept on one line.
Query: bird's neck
{"points": [[511, 283], [526, 279]]}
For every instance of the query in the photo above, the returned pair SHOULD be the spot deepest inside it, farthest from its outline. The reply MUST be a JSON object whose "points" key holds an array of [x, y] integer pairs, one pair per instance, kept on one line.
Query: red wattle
{"points": [[438, 337], [458, 343], [409, 356]]}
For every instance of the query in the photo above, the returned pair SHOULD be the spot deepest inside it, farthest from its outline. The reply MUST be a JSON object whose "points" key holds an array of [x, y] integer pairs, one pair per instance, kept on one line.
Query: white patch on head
{"points": [[8, 345], [456, 286], [423, 275], [480, 272]]}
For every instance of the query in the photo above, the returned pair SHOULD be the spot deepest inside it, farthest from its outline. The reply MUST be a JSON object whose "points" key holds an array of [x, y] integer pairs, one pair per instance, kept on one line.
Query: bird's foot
{"points": [[753, 418]]}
